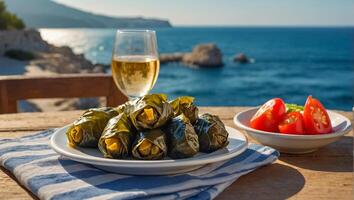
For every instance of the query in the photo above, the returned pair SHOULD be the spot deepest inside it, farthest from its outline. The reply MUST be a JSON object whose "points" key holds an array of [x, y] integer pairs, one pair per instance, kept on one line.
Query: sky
{"points": [[228, 12]]}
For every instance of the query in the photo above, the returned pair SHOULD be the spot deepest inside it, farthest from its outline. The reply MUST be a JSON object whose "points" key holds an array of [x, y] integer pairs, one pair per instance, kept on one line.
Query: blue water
{"points": [[290, 63]]}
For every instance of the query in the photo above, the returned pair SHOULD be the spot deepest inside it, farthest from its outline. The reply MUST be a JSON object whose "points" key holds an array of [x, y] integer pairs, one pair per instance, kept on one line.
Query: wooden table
{"points": [[325, 174]]}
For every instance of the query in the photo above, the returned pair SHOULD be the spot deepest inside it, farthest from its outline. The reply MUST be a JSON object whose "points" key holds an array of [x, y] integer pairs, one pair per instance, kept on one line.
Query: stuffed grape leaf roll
{"points": [[117, 137], [184, 105], [86, 131], [150, 145], [211, 132], [181, 137], [151, 111], [125, 107]]}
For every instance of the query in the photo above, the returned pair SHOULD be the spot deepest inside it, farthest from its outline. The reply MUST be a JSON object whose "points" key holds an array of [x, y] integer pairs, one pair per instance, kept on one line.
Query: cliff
{"points": [[47, 56]]}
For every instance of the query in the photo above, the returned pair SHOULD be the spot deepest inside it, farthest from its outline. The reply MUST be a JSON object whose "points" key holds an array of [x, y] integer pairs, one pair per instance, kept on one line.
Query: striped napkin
{"points": [[50, 176]]}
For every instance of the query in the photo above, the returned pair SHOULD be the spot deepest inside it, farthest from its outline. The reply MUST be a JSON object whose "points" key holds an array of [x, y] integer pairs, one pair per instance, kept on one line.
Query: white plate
{"points": [[237, 144], [295, 144]]}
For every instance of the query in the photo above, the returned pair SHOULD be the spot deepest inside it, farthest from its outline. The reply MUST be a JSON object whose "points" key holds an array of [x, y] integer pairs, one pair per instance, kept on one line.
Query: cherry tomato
{"points": [[293, 123], [269, 115], [316, 118]]}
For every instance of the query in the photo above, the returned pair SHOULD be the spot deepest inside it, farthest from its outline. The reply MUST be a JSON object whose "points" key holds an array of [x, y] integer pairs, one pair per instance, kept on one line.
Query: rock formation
{"points": [[49, 59], [241, 58], [203, 55], [27, 40]]}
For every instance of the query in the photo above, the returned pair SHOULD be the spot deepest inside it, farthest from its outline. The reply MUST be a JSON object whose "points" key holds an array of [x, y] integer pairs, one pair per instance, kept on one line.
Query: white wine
{"points": [[135, 75]]}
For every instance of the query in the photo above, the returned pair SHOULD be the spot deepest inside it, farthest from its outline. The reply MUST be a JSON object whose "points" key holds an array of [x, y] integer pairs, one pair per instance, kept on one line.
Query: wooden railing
{"points": [[14, 88]]}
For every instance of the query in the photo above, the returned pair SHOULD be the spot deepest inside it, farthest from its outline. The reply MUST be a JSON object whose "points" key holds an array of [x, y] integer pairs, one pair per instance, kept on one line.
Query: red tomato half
{"points": [[293, 123], [269, 115], [316, 118]]}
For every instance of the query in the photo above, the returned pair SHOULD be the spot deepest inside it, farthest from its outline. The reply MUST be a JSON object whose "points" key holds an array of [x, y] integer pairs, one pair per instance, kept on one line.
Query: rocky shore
{"points": [[46, 56], [47, 59]]}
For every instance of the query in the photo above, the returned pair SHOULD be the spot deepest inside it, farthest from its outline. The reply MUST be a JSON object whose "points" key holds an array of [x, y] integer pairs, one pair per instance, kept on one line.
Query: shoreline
{"points": [[48, 60]]}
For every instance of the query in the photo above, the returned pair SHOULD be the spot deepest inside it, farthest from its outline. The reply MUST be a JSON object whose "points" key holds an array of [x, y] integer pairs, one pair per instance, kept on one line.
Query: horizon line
{"points": [[211, 26], [264, 25]]}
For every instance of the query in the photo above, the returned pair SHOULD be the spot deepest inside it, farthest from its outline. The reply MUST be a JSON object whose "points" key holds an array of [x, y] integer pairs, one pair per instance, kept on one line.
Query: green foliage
{"points": [[19, 54], [9, 21], [293, 107]]}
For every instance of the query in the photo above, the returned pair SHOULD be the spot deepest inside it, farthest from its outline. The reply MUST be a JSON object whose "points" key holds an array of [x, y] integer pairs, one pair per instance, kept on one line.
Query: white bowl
{"points": [[295, 144]]}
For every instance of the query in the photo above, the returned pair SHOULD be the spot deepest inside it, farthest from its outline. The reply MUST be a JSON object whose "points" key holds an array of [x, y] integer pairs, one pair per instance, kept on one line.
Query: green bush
{"points": [[9, 21], [19, 54]]}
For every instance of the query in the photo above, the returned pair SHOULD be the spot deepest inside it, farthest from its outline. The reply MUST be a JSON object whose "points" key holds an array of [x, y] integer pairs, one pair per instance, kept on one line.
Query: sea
{"points": [[288, 62]]}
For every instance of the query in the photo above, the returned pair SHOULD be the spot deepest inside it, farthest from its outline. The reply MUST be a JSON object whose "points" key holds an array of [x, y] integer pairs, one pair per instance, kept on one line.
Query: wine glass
{"points": [[135, 62]]}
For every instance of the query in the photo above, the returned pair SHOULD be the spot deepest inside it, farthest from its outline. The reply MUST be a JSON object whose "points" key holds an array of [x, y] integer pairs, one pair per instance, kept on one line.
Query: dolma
{"points": [[211, 132], [181, 137], [150, 145], [86, 131], [125, 107], [151, 111], [117, 137], [184, 105]]}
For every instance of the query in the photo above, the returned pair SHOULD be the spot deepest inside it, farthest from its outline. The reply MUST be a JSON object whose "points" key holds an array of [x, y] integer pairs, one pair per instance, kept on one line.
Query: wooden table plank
{"points": [[36, 121], [324, 174]]}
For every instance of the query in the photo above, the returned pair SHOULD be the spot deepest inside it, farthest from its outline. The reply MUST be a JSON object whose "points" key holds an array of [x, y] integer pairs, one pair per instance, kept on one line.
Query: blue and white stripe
{"points": [[49, 176]]}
